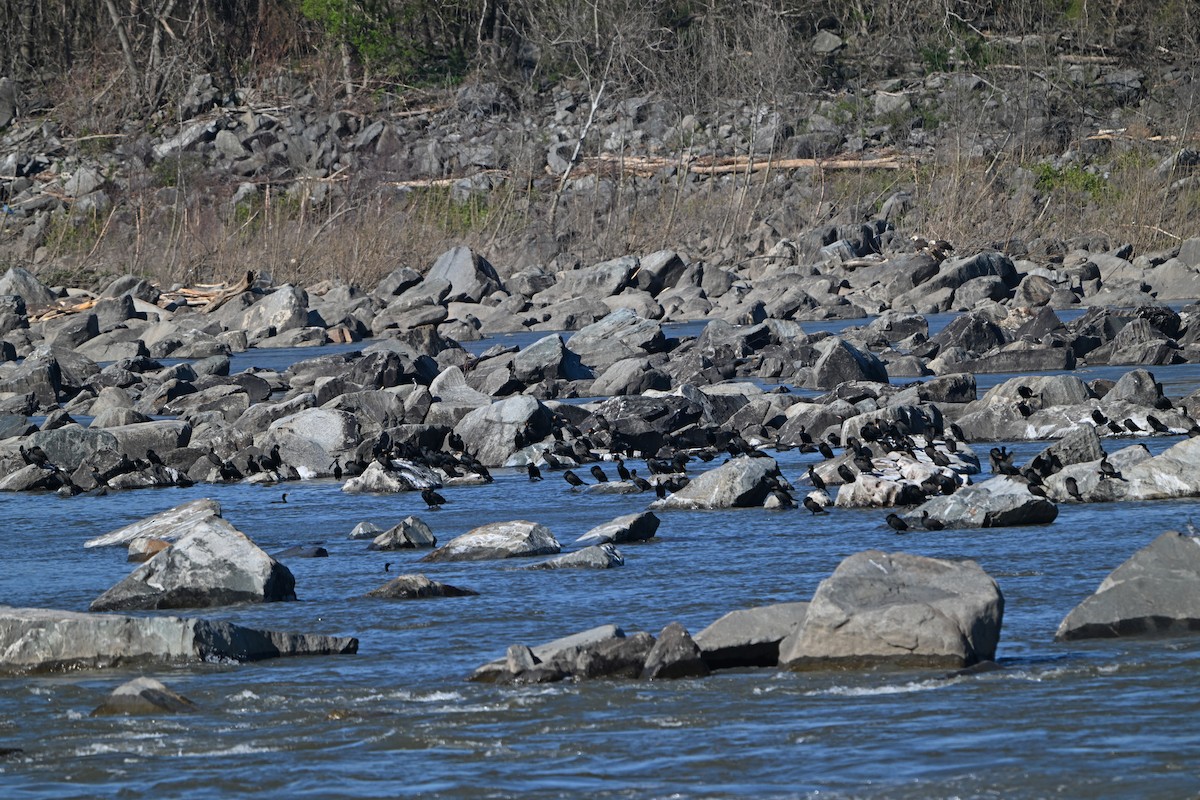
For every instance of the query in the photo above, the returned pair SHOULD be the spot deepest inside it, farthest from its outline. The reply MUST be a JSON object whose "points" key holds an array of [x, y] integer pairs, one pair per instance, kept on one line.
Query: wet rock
{"points": [[501, 670], [750, 637], [1154, 592], [418, 587], [49, 640], [598, 556], [303, 551], [166, 525], [996, 503], [898, 609], [410, 533], [141, 550], [213, 565], [514, 539], [365, 530], [674, 655], [143, 696], [637, 527], [397, 476], [740, 483]]}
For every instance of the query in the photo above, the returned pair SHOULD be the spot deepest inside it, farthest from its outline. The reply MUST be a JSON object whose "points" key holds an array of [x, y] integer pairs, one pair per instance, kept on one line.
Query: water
{"points": [[1103, 719]]}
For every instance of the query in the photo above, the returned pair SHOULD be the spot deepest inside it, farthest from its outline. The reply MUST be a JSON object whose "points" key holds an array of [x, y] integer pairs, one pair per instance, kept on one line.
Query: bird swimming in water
{"points": [[930, 523], [896, 523], [432, 499], [282, 499], [598, 474], [573, 479], [535, 474], [813, 506], [387, 567]]}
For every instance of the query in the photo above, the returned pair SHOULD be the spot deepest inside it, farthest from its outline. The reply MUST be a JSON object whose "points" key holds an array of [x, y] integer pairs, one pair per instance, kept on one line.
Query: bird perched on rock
{"points": [[432, 499], [1157, 424], [846, 474], [825, 450], [573, 479], [598, 474], [815, 479], [1025, 391], [535, 474], [896, 523], [813, 506], [623, 471], [930, 523], [1107, 470], [1072, 487], [1098, 416]]}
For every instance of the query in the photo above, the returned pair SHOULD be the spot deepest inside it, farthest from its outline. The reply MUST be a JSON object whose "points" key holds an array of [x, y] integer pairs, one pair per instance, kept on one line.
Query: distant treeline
{"points": [[144, 52]]}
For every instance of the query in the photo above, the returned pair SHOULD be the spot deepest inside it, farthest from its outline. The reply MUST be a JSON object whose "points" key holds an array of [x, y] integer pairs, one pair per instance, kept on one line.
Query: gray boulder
{"points": [[841, 362], [741, 482], [1154, 592], [597, 556], [49, 640], [674, 655], [397, 476], [547, 358], [213, 565], [408, 534], [899, 609], [166, 525], [311, 439], [281, 310], [498, 540], [504, 670], [418, 587], [23, 284], [469, 274], [999, 502], [636, 527], [143, 696], [619, 335], [501, 429], [750, 637]]}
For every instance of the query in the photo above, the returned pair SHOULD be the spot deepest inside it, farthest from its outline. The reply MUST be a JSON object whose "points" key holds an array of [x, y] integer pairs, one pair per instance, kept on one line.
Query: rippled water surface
{"points": [[1103, 719]]}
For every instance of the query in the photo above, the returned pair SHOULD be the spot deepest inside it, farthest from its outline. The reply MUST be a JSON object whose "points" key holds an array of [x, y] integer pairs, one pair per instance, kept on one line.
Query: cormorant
{"points": [[825, 450], [1025, 391], [817, 482], [846, 474], [432, 499], [573, 479], [622, 470], [598, 474], [282, 499], [535, 474], [660, 490], [1098, 416], [1072, 489], [1132, 426], [929, 523], [814, 506], [336, 466], [1157, 424], [387, 567], [958, 432], [896, 523]]}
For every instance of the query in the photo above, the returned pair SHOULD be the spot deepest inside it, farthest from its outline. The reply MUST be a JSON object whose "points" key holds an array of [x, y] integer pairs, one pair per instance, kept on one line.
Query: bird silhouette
{"points": [[573, 479], [813, 506], [598, 474], [282, 499], [930, 523], [623, 471], [845, 473], [817, 482], [535, 474], [432, 499], [1072, 488], [896, 523]]}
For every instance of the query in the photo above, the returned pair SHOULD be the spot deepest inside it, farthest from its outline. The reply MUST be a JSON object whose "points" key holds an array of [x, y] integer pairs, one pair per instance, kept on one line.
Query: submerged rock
{"points": [[996, 503], [898, 609], [415, 587], [50, 640], [1157, 591], [498, 540], [598, 556], [629, 528], [143, 696]]}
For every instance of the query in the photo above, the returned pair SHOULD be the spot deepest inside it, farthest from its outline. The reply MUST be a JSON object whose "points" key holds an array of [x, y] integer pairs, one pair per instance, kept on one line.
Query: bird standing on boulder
{"points": [[815, 507], [598, 474], [573, 479]]}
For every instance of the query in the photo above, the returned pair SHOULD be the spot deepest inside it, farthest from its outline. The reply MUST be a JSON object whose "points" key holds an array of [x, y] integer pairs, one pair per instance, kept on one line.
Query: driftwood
{"points": [[210, 296], [63, 307]]}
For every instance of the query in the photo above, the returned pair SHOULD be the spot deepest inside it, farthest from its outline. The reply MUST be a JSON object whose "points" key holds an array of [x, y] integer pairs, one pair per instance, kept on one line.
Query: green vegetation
{"points": [[1072, 178]]}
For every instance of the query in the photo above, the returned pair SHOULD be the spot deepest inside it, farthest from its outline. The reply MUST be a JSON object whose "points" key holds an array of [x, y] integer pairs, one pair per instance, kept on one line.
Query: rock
{"points": [[398, 476], [141, 550], [741, 482], [418, 587], [281, 310], [49, 640], [1154, 592], [166, 525], [143, 696], [410, 533], [23, 284], [311, 439], [501, 670], [749, 637], [365, 530], [674, 655], [547, 358], [597, 556], [841, 362], [629, 528], [630, 376], [498, 540], [498, 431], [469, 274], [214, 564], [619, 335], [901, 610], [1081, 444], [302, 551], [999, 502]]}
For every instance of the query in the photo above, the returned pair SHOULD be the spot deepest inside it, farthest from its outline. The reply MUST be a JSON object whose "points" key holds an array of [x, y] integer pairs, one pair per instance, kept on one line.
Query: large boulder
{"points": [[899, 609], [49, 640], [1157, 591], [498, 540], [841, 362], [409, 534], [22, 283], [597, 556], [469, 274], [397, 476], [213, 565], [496, 432], [548, 358], [281, 310], [619, 335], [741, 482], [674, 655], [311, 439], [166, 525], [996, 503], [636, 527], [750, 637]]}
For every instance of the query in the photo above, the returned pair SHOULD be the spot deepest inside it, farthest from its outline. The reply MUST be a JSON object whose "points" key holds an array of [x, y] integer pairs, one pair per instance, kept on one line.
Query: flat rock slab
{"points": [[49, 640], [996, 503], [1157, 591], [167, 525], [498, 540], [898, 609]]}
